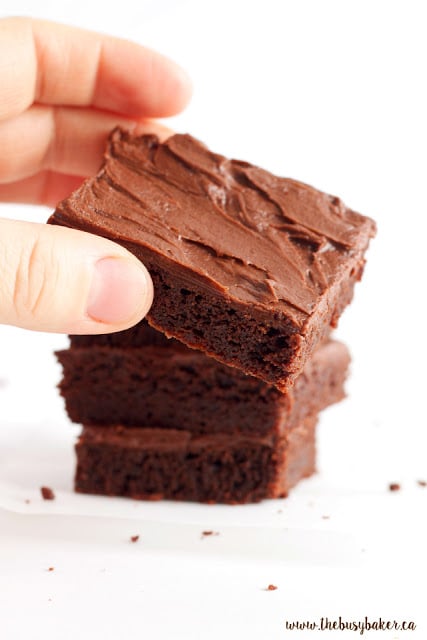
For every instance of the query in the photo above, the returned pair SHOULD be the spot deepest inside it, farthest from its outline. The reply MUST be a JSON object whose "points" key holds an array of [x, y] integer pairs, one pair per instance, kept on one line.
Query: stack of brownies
{"points": [[217, 400]]}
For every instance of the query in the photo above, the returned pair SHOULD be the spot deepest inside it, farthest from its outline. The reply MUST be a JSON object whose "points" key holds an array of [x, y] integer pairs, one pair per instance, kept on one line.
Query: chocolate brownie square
{"points": [[249, 268], [172, 387], [155, 464]]}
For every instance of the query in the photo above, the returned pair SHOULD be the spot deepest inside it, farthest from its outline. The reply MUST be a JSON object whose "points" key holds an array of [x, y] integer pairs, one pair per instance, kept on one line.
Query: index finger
{"points": [[51, 63]]}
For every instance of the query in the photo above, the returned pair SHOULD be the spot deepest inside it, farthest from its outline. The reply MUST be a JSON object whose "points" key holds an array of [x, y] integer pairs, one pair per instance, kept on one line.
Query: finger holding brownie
{"points": [[62, 90]]}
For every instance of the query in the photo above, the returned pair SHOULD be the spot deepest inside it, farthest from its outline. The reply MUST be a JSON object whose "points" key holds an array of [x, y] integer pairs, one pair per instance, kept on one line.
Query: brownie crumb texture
{"points": [[134, 538], [422, 483], [209, 533], [271, 587], [47, 493], [394, 486]]}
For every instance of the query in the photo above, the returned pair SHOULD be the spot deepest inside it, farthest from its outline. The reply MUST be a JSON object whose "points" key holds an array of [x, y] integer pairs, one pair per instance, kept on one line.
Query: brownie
{"points": [[162, 421], [141, 335], [249, 268], [154, 464], [170, 386]]}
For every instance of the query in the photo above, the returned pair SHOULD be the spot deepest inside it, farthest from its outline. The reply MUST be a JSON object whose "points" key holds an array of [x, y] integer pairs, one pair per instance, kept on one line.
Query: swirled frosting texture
{"points": [[258, 238]]}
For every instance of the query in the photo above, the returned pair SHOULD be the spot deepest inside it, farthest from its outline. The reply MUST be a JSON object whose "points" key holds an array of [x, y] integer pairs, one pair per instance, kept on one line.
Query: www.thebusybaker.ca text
{"points": [[339, 624]]}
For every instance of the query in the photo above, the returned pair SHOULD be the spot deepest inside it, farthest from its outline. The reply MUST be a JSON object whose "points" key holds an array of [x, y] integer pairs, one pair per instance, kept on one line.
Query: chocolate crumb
{"points": [[271, 587], [134, 538], [210, 533], [422, 483], [51, 569], [394, 486], [47, 493]]}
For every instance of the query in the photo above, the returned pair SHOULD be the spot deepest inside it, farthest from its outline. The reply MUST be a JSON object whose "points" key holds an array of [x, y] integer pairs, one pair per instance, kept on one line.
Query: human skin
{"points": [[62, 90]]}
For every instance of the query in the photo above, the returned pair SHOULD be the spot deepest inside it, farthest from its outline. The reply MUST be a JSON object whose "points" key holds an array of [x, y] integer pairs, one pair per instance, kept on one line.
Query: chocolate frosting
{"points": [[169, 439], [258, 238]]}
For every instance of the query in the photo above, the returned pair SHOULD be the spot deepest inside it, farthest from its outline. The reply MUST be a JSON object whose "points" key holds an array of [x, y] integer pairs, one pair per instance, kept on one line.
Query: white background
{"points": [[332, 93]]}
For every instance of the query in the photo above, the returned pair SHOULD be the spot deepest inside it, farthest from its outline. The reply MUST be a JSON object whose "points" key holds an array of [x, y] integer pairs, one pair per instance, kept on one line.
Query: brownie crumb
{"points": [[47, 493], [51, 569], [210, 533], [422, 483], [394, 486], [271, 587], [134, 538]]}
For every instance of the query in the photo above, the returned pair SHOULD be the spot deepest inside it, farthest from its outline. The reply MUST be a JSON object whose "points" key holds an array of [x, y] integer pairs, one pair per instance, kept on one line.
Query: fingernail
{"points": [[121, 290]]}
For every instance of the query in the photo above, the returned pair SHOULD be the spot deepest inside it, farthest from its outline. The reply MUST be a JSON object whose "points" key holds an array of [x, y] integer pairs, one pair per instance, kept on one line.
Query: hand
{"points": [[62, 90]]}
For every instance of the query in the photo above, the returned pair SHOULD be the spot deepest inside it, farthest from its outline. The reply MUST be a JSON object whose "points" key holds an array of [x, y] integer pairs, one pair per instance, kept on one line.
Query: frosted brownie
{"points": [[155, 464], [172, 387], [249, 268]]}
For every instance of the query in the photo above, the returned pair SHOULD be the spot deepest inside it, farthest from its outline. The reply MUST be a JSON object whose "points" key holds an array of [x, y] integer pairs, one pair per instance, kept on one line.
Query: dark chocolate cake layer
{"points": [[173, 387], [154, 464], [247, 267]]}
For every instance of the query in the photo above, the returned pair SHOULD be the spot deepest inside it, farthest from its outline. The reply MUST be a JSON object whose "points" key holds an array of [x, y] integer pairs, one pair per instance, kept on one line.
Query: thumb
{"points": [[66, 281]]}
